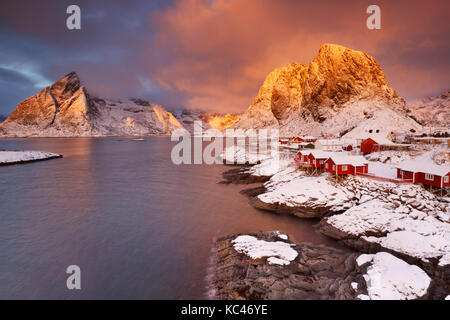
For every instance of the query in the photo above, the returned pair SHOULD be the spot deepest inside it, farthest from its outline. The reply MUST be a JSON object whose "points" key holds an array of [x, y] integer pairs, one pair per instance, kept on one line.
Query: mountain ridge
{"points": [[66, 109], [339, 89]]}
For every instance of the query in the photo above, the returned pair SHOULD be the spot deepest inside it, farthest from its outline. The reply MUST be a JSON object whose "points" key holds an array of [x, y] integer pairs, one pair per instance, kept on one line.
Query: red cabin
{"points": [[347, 147], [309, 139], [367, 146], [297, 140], [317, 158], [341, 165], [426, 173], [302, 158]]}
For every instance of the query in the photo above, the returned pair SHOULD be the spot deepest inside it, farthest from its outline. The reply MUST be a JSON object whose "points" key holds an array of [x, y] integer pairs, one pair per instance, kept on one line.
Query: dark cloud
{"points": [[211, 54]]}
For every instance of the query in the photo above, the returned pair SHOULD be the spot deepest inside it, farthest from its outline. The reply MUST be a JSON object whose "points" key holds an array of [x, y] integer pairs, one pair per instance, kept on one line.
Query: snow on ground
{"points": [[438, 154], [277, 252], [293, 187], [407, 230], [382, 170], [273, 165], [404, 218], [247, 154], [389, 157], [390, 278], [19, 156]]}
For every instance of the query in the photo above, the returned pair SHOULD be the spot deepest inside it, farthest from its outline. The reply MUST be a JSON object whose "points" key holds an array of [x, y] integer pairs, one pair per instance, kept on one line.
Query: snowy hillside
{"points": [[340, 91], [432, 112]]}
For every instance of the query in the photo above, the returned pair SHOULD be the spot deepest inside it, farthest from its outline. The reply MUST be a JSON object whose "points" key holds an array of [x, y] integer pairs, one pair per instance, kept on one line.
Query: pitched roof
{"points": [[424, 167], [357, 161], [379, 138], [329, 142], [320, 154]]}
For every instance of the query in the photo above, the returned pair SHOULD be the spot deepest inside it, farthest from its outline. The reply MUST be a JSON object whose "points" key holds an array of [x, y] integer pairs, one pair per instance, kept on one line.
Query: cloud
{"points": [[218, 53], [208, 54]]}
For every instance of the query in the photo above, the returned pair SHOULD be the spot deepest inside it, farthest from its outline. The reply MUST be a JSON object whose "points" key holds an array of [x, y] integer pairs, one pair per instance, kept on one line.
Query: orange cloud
{"points": [[217, 53]]}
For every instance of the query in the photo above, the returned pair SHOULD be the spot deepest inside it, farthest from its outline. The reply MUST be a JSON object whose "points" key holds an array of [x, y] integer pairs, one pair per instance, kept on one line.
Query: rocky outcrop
{"points": [[433, 111], [20, 157], [339, 90], [318, 272], [67, 109], [267, 265], [241, 175]]}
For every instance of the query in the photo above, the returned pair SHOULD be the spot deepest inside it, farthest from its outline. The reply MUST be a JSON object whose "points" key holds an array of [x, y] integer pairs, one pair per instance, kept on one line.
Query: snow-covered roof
{"points": [[424, 167], [356, 161], [319, 154], [378, 138], [348, 142], [329, 142], [308, 137]]}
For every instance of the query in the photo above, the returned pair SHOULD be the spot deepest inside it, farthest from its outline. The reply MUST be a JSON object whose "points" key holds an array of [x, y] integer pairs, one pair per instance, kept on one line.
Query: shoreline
{"points": [[47, 156], [310, 272], [440, 275]]}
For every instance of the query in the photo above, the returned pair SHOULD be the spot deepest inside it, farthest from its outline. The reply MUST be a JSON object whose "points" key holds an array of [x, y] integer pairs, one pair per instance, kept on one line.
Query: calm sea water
{"points": [[137, 225]]}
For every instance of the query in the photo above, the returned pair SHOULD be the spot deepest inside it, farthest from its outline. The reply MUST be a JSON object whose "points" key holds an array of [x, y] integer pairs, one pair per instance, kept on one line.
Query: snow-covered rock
{"points": [[273, 165], [414, 233], [292, 191], [67, 109], [390, 278], [277, 252], [341, 91], [12, 157]]}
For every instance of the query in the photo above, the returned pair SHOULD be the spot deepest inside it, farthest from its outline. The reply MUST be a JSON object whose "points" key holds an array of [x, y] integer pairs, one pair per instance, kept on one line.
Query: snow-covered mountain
{"points": [[67, 109], [187, 117], [341, 92], [433, 111]]}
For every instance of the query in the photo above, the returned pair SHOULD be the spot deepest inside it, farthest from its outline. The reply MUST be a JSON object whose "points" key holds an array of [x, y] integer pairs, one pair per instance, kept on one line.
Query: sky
{"points": [[212, 54]]}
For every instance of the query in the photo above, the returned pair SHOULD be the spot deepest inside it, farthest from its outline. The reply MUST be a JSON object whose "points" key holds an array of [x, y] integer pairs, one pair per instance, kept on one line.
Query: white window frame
{"points": [[446, 179], [326, 165], [344, 168], [429, 177], [334, 167], [321, 161]]}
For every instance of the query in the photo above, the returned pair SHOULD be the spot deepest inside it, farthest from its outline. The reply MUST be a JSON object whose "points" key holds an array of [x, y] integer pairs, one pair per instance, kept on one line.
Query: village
{"points": [[346, 156], [383, 197]]}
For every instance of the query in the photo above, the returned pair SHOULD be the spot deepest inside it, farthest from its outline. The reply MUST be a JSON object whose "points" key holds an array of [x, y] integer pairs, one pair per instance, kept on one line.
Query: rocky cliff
{"points": [[67, 109], [340, 90]]}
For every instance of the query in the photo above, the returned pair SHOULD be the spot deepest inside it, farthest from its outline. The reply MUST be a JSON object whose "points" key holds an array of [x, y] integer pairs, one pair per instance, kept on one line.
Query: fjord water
{"points": [[136, 224]]}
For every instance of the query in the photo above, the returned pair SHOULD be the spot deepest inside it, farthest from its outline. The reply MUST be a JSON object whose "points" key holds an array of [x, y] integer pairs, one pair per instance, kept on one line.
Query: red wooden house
{"points": [[297, 140], [425, 172], [309, 139], [367, 146], [283, 141], [317, 158], [302, 158], [379, 143], [342, 165], [347, 147]]}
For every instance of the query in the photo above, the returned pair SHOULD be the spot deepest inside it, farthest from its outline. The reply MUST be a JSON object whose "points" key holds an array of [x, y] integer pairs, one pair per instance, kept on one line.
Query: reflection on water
{"points": [[137, 225]]}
